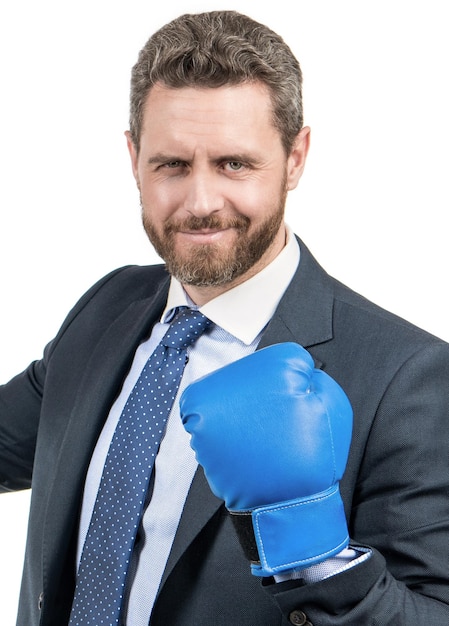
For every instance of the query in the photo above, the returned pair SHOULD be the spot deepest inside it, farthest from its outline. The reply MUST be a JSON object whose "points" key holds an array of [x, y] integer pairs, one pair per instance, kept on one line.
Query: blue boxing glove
{"points": [[273, 434]]}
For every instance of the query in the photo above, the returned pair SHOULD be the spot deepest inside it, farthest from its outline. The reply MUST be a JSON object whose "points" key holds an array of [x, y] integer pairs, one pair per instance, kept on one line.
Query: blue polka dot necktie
{"points": [[126, 474]]}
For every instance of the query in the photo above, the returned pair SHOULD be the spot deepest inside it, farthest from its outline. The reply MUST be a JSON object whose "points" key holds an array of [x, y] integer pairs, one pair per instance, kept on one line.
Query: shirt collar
{"points": [[245, 310]]}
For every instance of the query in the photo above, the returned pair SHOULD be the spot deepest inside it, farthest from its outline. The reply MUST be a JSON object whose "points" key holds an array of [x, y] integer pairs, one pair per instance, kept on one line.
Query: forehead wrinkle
{"points": [[191, 105]]}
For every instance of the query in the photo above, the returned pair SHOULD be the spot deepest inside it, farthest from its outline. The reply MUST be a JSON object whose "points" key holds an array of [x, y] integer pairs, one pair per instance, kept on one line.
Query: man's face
{"points": [[213, 178]]}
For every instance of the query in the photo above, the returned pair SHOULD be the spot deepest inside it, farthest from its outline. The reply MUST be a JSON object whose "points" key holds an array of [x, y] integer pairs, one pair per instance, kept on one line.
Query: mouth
{"points": [[204, 235]]}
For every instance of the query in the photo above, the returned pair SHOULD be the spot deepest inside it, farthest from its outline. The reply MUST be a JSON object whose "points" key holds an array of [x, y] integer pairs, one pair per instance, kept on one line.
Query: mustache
{"points": [[192, 222]]}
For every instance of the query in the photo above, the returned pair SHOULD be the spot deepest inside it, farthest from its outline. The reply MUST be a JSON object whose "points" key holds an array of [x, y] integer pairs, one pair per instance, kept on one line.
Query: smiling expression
{"points": [[213, 178]]}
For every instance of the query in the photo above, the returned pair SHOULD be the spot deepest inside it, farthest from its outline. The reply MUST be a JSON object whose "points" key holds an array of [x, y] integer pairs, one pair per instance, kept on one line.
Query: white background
{"points": [[372, 203]]}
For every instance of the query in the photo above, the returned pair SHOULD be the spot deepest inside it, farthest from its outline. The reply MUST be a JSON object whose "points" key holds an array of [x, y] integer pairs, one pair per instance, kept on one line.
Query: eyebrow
{"points": [[240, 157], [161, 157]]}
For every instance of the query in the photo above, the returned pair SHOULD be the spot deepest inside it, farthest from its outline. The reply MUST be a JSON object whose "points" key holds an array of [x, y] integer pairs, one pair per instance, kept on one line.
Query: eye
{"points": [[235, 166], [173, 164]]}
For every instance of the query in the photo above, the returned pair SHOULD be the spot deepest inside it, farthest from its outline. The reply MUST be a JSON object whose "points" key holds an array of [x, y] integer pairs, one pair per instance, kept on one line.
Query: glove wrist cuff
{"points": [[298, 533]]}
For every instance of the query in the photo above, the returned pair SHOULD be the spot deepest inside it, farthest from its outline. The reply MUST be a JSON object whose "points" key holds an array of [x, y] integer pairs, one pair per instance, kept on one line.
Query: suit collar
{"points": [[304, 314]]}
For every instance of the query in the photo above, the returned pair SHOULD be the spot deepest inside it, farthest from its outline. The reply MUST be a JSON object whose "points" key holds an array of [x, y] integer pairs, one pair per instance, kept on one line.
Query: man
{"points": [[216, 142]]}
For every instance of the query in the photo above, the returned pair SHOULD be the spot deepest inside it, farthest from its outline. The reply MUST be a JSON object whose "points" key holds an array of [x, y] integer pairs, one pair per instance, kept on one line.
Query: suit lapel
{"points": [[200, 506], [107, 367]]}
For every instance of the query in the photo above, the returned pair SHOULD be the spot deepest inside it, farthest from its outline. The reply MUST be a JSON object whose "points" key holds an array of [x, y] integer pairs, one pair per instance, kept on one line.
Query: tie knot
{"points": [[185, 329]]}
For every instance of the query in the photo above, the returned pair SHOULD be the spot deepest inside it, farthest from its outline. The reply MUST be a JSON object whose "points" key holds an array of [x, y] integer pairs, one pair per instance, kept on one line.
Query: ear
{"points": [[134, 156], [297, 158]]}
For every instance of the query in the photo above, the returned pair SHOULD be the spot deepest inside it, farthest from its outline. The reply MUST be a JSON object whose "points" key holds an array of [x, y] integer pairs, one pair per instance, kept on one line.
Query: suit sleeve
{"points": [[400, 510], [20, 402], [20, 407]]}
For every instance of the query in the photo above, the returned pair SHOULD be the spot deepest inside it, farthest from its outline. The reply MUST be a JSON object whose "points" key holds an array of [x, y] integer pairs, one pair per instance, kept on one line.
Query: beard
{"points": [[205, 265]]}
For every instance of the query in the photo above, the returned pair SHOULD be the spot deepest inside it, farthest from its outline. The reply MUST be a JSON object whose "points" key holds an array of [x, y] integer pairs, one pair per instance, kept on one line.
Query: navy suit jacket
{"points": [[395, 488]]}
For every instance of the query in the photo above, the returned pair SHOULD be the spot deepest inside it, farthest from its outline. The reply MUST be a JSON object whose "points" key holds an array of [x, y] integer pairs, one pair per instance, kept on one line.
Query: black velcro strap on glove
{"points": [[243, 524]]}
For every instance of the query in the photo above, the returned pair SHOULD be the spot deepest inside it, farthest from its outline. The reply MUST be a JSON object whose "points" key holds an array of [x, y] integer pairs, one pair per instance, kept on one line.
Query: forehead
{"points": [[210, 114]]}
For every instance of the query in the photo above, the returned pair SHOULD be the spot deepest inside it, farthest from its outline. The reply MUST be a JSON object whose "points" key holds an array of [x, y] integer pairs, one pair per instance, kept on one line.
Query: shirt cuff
{"points": [[344, 560]]}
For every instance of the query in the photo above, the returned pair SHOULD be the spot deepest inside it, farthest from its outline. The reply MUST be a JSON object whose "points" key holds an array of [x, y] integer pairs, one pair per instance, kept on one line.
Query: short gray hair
{"points": [[215, 49]]}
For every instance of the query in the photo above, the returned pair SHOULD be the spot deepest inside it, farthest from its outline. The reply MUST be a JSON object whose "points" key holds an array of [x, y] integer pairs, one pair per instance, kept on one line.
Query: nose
{"points": [[203, 194]]}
